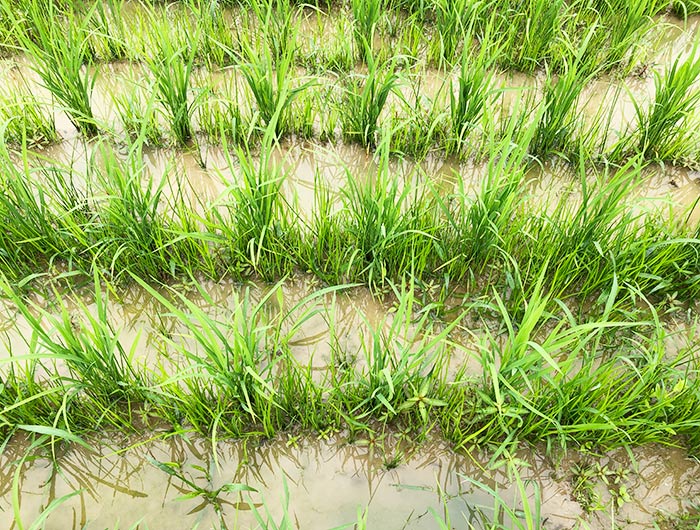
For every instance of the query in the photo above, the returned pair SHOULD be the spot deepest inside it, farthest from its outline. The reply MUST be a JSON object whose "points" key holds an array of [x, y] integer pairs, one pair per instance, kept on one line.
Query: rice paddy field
{"points": [[350, 264]]}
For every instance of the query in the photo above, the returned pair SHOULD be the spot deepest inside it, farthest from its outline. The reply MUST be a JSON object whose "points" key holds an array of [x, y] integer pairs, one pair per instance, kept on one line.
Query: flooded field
{"points": [[386, 482], [362, 264]]}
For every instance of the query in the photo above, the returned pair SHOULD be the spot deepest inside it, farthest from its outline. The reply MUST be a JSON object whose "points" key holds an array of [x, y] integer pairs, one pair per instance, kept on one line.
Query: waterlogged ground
{"points": [[606, 95], [335, 479], [329, 483], [304, 167], [393, 482], [324, 328]]}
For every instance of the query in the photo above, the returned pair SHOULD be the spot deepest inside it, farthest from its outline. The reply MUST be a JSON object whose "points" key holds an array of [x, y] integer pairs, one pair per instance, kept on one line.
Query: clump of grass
{"points": [[366, 15], [626, 23], [683, 8], [390, 227], [474, 92], [172, 71], [220, 117], [528, 30], [269, 78], [26, 120], [421, 125], [138, 113], [276, 21], [61, 53], [567, 386], [450, 18], [559, 120], [664, 131], [218, 43], [107, 31], [364, 99]]}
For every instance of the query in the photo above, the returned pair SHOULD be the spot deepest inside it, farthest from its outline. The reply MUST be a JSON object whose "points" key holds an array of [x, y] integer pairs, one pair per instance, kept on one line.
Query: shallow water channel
{"points": [[328, 483]]}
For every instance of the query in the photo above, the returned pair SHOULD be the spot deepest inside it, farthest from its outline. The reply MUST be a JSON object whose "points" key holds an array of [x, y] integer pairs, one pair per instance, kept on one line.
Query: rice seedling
{"points": [[410, 42], [107, 31], [138, 114], [269, 79], [451, 19], [364, 99], [684, 8], [257, 229], [329, 46], [664, 131], [475, 228], [390, 227], [220, 117], [139, 230], [98, 364], [218, 42], [27, 120], [172, 71], [559, 119], [626, 23], [423, 129], [583, 237], [528, 31], [61, 58], [277, 21], [36, 233], [366, 15], [475, 92]]}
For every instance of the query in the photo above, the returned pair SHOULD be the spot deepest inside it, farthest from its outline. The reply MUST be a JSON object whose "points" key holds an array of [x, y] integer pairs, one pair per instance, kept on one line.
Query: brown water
{"points": [[606, 95], [322, 327], [322, 483], [303, 167]]}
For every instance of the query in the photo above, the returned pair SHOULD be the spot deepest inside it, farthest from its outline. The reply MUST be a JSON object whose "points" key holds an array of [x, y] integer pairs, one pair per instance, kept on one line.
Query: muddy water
{"points": [[205, 175], [670, 191], [322, 329], [659, 480], [674, 39], [607, 95], [325, 483]]}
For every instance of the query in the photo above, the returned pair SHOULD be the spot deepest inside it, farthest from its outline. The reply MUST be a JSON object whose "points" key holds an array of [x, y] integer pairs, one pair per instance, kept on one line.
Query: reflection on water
{"points": [[324, 482]]}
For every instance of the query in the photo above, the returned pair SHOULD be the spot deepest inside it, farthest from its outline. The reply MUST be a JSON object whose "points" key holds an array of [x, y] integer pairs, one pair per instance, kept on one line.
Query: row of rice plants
{"points": [[435, 29], [363, 107], [119, 218], [602, 382]]}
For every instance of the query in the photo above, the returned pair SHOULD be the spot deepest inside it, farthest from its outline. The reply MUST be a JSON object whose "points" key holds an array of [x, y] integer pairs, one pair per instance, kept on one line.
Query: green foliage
{"points": [[61, 59], [364, 100], [172, 71]]}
